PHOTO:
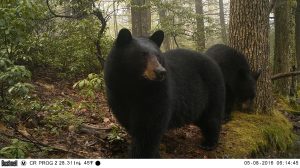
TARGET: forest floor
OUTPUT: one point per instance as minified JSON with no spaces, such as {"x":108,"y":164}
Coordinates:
{"x":87,"y":129}
{"x":179,"y":143}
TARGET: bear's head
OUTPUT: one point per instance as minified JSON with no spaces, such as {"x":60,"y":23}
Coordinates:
{"x":141,"y":57}
{"x":247,"y":89}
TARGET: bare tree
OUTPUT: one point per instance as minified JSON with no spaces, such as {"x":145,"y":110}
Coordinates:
{"x":200,"y":32}
{"x":297,"y":32}
{"x":283,"y":43}
{"x":163,"y":22}
{"x":140,"y":17}
{"x":249,"y":33}
{"x":115,"y":18}
{"x":222,"y":22}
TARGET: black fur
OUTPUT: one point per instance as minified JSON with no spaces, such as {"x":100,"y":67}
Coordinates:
{"x":239,"y":80}
{"x":193,"y":91}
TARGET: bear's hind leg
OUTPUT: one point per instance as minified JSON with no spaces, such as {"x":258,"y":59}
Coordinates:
{"x":230,"y":99}
{"x":210,"y":128}
{"x":228,"y":109}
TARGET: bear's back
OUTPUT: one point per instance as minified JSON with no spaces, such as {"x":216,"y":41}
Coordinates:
{"x":226,"y":55}
{"x":193,"y":77}
{"x":230,"y":60}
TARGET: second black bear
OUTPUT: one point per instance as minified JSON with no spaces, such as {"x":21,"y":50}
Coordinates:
{"x":240,"y":82}
{"x":150,"y":92}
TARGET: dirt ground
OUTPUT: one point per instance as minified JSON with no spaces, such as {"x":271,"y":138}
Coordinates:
{"x":93,"y":141}
{"x":178,"y":143}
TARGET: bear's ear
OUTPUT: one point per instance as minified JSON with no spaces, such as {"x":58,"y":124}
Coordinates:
{"x":124,"y":37}
{"x":256,"y":74}
{"x":157,"y":37}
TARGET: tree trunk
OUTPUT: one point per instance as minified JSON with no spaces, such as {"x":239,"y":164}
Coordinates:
{"x":297,"y":36}
{"x":249,"y":33}
{"x":271,"y":5}
{"x":292,"y":42}
{"x":200,"y":32}
{"x":140,"y":17}
{"x":283,"y":40}
{"x":163,"y":23}
{"x":222,"y":22}
{"x":115,"y":18}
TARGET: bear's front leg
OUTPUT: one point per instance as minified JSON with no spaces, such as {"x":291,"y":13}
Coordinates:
{"x":147,"y":128}
{"x":145,"y":146}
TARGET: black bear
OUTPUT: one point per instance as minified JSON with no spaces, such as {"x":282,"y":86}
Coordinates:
{"x":150,"y":92}
{"x":240,"y":82}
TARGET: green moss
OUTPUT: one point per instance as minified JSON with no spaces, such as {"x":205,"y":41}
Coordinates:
{"x":252,"y":135}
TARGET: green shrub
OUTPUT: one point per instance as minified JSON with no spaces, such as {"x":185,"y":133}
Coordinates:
{"x":13,"y":80}
{"x":89,"y":86}
{"x":68,"y":48}
{"x":14,"y":90}
{"x":60,"y":116}
{"x":17,"y":149}
{"x":116,"y":134}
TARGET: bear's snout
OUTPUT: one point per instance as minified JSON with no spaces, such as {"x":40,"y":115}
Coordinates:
{"x":160,"y":73}
{"x":154,"y":70}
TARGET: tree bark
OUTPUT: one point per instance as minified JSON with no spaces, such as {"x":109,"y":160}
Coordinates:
{"x":282,"y":48}
{"x":249,"y":33}
{"x":200,"y":32}
{"x":222,"y":22}
{"x":140,"y":17}
{"x":163,"y":23}
{"x":297,"y":34}
{"x":115,"y":18}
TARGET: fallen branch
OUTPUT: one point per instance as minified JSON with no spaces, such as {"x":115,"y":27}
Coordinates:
{"x":23,"y":135}
{"x":294,"y":112}
{"x":27,"y":139}
{"x":33,"y":141}
{"x":93,"y":129}
{"x":284,"y":75}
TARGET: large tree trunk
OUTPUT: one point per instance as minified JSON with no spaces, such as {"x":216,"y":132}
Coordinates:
{"x":249,"y":33}
{"x":164,"y":23}
{"x":222,"y":22}
{"x":140,"y":17}
{"x":297,"y":36}
{"x":200,"y":33}
{"x":283,"y":43}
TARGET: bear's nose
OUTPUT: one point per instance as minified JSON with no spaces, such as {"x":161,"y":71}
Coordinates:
{"x":160,"y":73}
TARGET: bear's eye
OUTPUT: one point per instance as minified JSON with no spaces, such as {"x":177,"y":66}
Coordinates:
{"x":159,"y":58}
